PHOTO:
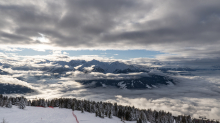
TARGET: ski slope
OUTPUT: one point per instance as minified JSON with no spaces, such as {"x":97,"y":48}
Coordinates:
{"x":51,"y":115}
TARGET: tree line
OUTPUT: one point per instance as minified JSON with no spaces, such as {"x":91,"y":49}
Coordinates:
{"x":100,"y":109}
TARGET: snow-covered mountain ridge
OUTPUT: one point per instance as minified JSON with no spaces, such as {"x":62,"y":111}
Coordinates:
{"x":97,"y":66}
{"x":94,"y":73}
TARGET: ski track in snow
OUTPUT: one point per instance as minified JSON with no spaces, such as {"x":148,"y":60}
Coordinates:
{"x":51,"y":115}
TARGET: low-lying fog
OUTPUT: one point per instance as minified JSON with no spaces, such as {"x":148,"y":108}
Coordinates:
{"x":197,"y":95}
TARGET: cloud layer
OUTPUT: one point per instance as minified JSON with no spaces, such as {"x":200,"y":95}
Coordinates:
{"x":197,"y":94}
{"x":111,"y":24}
{"x":184,"y":30}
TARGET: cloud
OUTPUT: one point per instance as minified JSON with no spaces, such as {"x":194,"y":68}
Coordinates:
{"x":113,"y":24}
{"x":10,"y":80}
{"x":195,"y":95}
{"x":183,"y":30}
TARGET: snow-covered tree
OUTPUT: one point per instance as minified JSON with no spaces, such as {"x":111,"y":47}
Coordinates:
{"x":45,"y":104}
{"x":82,"y":110}
{"x":56,"y":104}
{"x":68,"y":105}
{"x":21,"y":104}
{"x":28,"y":103}
{"x":17,"y":101}
{"x":143,"y":117}
{"x":1,"y":102}
{"x":9,"y":104}
{"x":110,"y":114}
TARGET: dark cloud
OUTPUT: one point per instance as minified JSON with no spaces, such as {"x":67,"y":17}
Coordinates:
{"x":9,"y":38}
{"x":166,"y":26}
{"x":68,"y":23}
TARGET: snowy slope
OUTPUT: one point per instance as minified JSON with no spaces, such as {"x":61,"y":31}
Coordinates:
{"x":48,"y":115}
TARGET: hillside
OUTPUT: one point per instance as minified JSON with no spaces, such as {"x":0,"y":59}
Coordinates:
{"x":51,"y":115}
{"x":103,"y":110}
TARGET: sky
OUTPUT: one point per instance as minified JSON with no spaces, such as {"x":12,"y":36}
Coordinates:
{"x":110,"y":54}
{"x":118,"y":29}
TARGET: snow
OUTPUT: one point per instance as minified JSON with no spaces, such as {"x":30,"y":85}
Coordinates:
{"x":77,"y":67}
{"x":140,"y":82}
{"x":170,"y":83}
{"x":148,"y":86}
{"x":51,"y":115}
{"x":154,"y":86}
{"x":121,"y":85}
{"x":104,"y":85}
{"x":89,"y":68}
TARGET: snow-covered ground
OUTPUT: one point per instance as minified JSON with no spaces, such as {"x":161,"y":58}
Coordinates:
{"x":51,"y":115}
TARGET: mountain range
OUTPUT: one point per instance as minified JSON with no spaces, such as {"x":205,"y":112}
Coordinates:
{"x":96,"y":73}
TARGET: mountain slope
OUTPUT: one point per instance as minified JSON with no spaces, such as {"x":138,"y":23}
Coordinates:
{"x":153,"y":81}
{"x":12,"y":88}
{"x":96,"y":73}
{"x":48,"y":115}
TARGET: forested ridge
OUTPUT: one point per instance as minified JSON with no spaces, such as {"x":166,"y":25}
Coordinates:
{"x":102,"y":109}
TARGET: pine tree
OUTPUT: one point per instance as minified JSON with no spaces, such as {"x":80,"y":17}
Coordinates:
{"x":29,"y":103}
{"x":21,"y":104}
{"x":94,"y":108}
{"x":82,"y":110}
{"x":96,"y":113}
{"x":102,"y":114}
{"x":69,"y":106}
{"x":63,"y":105}
{"x":17,"y":101}
{"x":73,"y":107}
{"x":5,"y":102}
{"x":60,"y":105}
{"x":143,"y":117}
{"x":45,"y":104}
{"x":52,"y":103}
{"x":42,"y":102}
{"x":57,"y":103}
{"x":110,"y":114}
{"x":9,"y":104}
{"x":1,"y":102}
{"x":13,"y":101}
{"x":90,"y":108}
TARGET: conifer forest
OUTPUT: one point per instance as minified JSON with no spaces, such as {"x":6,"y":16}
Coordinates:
{"x":102,"y":110}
